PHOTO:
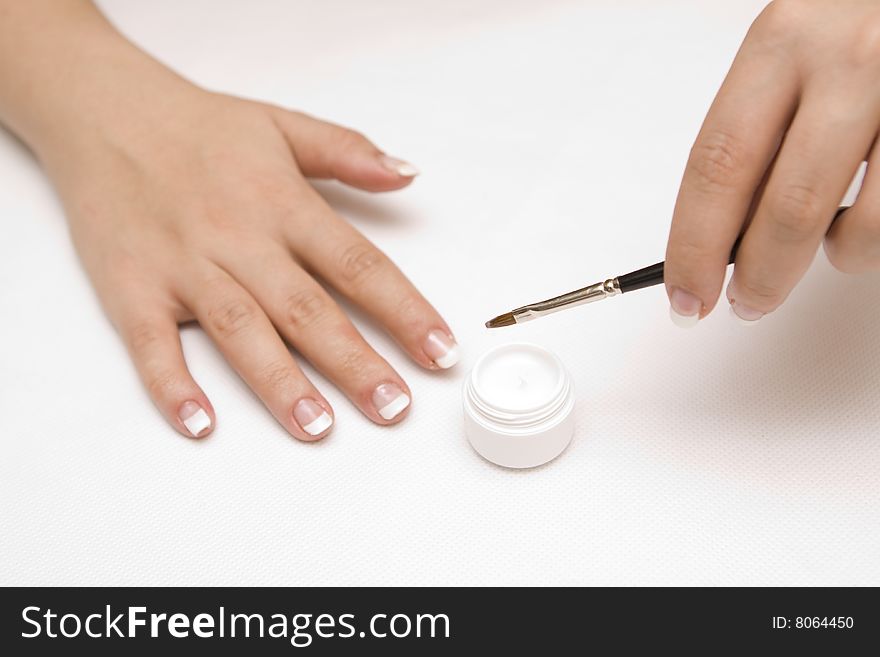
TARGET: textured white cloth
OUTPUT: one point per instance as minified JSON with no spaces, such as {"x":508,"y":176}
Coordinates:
{"x":551,"y":137}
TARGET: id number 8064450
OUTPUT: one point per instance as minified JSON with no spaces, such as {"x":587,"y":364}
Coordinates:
{"x":813,"y":622}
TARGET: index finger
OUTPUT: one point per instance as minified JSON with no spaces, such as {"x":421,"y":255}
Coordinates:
{"x":736,"y":144}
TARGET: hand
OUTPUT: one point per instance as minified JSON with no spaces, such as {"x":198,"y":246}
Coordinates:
{"x":796,"y":116}
{"x":186,"y":205}
{"x":204,"y":213}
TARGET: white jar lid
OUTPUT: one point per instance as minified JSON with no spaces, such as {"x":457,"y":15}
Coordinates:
{"x":518,"y":403}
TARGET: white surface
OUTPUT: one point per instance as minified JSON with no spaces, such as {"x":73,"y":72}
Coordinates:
{"x":720,"y":455}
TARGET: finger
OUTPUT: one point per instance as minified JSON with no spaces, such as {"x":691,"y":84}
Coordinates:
{"x":853,"y":243}
{"x":326,"y":150}
{"x":153,"y":340}
{"x":824,"y":147}
{"x":727,"y":163}
{"x":247,"y":339}
{"x":313,"y":323}
{"x":343,"y":257}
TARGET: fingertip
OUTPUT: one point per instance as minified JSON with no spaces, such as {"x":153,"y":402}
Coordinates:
{"x":685,"y":308}
{"x":391,"y":403}
{"x":739,"y":305}
{"x":377,"y":172}
{"x":404,"y":170}
{"x":314,"y":419}
{"x":195,"y":419}
{"x":441,"y":350}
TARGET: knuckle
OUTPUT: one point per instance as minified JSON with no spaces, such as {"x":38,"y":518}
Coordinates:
{"x":865,"y":45}
{"x":760,"y":295}
{"x":270,"y":185}
{"x":842,"y":257}
{"x":781,"y":17}
{"x":161,"y":384}
{"x":693,"y":258}
{"x":232,"y":316}
{"x":856,"y":250}
{"x":142,"y":337}
{"x":359,"y":261}
{"x":349,"y":140}
{"x":305,"y":308}
{"x":278,"y":375}
{"x":794,"y":213}
{"x":716,"y":160}
{"x":352,"y":364}
{"x":409,"y":311}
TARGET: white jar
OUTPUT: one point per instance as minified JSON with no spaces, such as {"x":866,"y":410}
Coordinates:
{"x":518,"y":406}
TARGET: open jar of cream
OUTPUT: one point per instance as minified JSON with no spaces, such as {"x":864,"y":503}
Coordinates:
{"x":518,"y":403}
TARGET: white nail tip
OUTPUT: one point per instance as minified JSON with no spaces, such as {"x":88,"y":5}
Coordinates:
{"x":395,"y":408}
{"x":400,"y":167}
{"x":197,"y":422}
{"x":683,"y":321}
{"x":448,"y":359}
{"x":406,"y":170}
{"x":740,"y":320}
{"x":319,"y":425}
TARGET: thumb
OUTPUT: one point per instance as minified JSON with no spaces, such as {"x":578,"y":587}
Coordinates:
{"x":326,"y":150}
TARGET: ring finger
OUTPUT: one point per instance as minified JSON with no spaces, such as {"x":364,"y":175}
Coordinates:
{"x":820,"y":154}
{"x":249,"y":342}
{"x":306,"y":315}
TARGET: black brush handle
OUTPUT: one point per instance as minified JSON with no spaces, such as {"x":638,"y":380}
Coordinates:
{"x":636,"y":280}
{"x":653,"y":275}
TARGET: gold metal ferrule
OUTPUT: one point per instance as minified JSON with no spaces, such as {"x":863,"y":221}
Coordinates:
{"x":589,"y":294}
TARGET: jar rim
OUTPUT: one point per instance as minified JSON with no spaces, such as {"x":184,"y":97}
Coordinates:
{"x":519,"y":417}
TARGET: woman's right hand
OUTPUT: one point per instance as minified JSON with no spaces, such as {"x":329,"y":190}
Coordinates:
{"x":797,"y":115}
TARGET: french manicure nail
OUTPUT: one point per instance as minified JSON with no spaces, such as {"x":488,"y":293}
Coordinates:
{"x":441,"y":348}
{"x":398,"y":166}
{"x":744,"y":314}
{"x":741,"y":312}
{"x":389,"y":400}
{"x":740,"y":320}
{"x":312,"y":417}
{"x":684,"y":308}
{"x":194,"y":418}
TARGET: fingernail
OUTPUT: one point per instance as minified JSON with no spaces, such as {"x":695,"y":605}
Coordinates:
{"x":312,"y":417}
{"x":740,"y":320}
{"x":389,"y":400}
{"x":745,"y":314}
{"x":741,"y":312}
{"x":684,"y":308}
{"x":194,"y":418}
{"x":400,"y":167}
{"x":441,"y":348}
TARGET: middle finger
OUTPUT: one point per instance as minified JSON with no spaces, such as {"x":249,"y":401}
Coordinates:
{"x":308,"y":318}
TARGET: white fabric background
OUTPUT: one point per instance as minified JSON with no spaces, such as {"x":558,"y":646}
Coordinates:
{"x":551,"y":136}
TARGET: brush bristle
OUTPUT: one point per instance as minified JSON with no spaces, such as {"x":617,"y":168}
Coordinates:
{"x":507,"y":319}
